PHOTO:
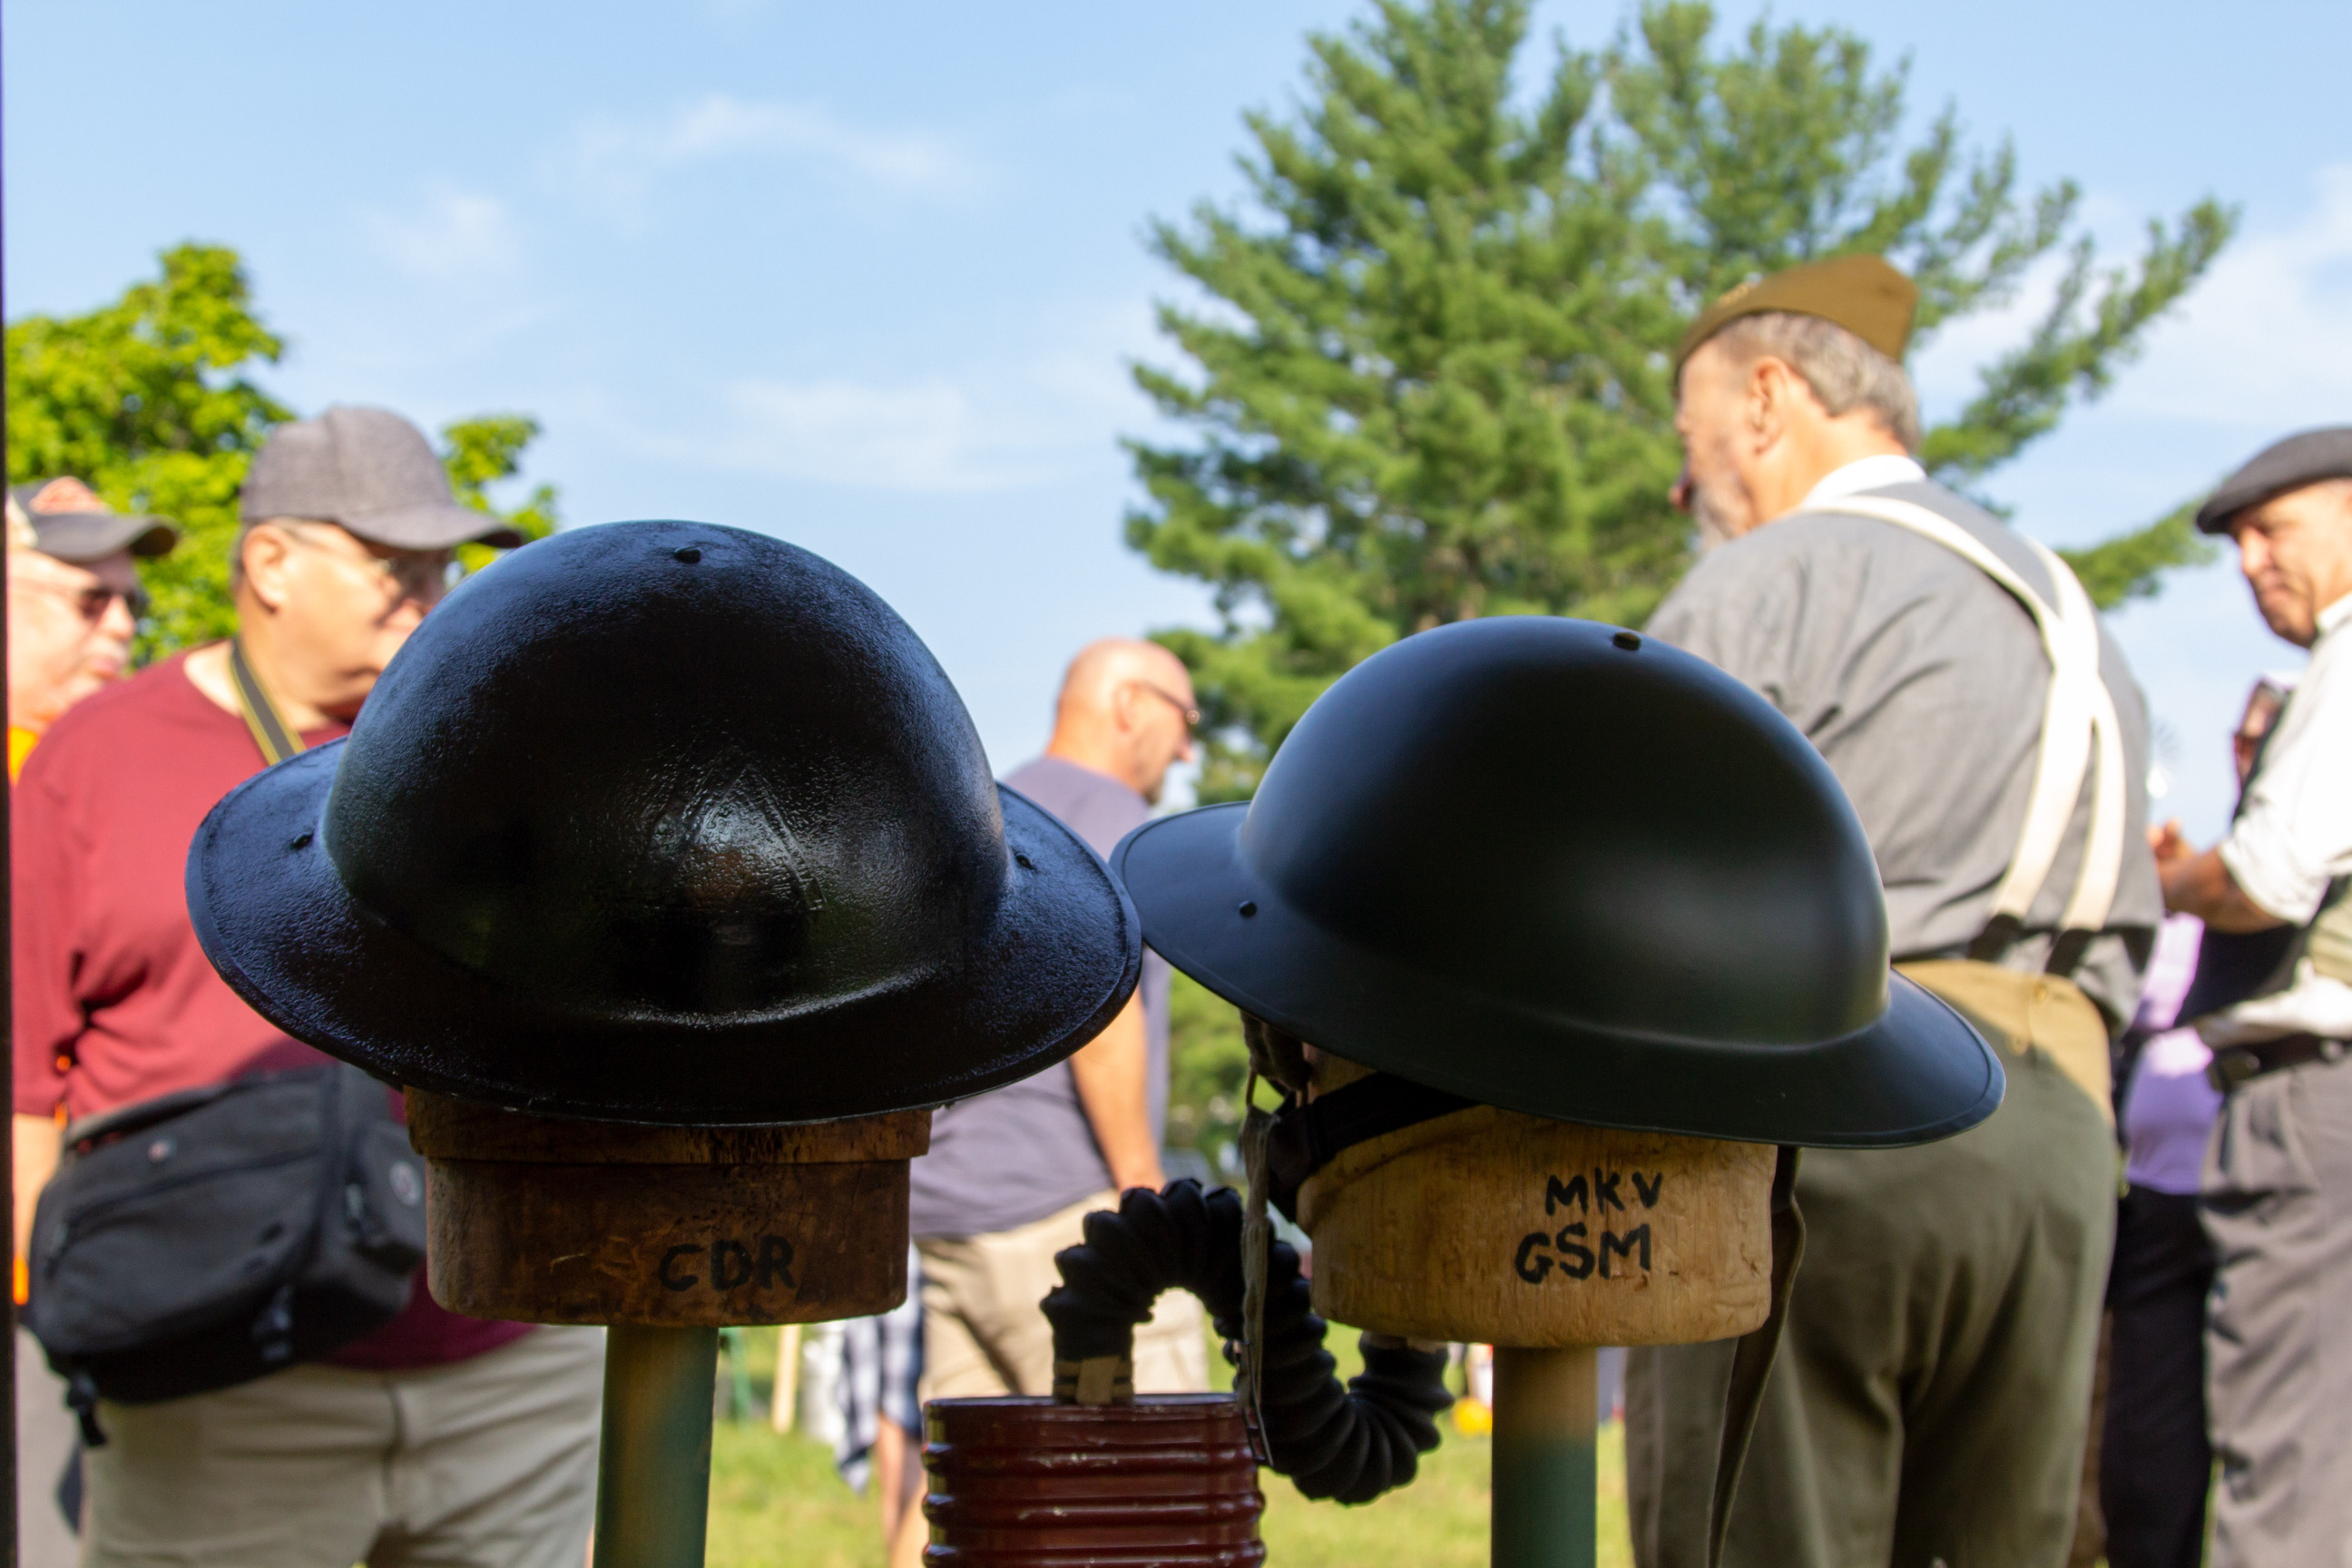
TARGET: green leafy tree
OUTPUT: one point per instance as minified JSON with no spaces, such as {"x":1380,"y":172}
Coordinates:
{"x":1432,"y":379}
{"x":152,"y":399}
{"x":484,"y":451}
{"x":1207,"y":1067}
{"x":2132,"y":566}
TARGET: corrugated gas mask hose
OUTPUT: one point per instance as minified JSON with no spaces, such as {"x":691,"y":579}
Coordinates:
{"x":1351,"y":1443}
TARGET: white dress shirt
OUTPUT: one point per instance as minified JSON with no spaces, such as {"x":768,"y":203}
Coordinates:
{"x":1872,"y":473}
{"x":2293,"y":836}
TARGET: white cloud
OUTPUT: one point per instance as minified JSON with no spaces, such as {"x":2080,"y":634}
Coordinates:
{"x":617,"y":163}
{"x":994,"y":427}
{"x":2262,"y":346}
{"x":451,"y":235}
{"x":936,"y":436}
{"x":927,"y":436}
{"x":2266,"y":341}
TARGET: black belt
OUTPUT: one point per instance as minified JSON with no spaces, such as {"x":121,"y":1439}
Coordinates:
{"x":2234,"y":1065}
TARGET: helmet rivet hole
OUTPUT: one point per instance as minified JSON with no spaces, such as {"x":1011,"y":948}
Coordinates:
{"x":1249,"y":908}
{"x":689,"y":554}
{"x":1024,"y":862}
{"x":1627,"y":641}
{"x":301,"y":840}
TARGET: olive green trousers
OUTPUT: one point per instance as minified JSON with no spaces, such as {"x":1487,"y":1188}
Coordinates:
{"x":1932,"y":1391}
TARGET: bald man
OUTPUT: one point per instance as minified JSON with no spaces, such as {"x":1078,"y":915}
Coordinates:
{"x":1012,"y":1172}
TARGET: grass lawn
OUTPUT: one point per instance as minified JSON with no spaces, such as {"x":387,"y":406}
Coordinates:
{"x":775,"y":1502}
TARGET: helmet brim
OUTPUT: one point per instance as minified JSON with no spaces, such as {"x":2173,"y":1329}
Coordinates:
{"x":1047,"y":973}
{"x":1916,"y":1074}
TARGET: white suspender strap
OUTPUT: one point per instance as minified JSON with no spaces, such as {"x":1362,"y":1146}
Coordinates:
{"x":2078,"y":718}
{"x":2103,"y":855}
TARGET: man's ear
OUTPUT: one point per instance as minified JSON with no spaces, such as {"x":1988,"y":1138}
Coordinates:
{"x":1761,"y":410}
{"x":1125,"y":698}
{"x":266,"y":556}
{"x":1776,"y":394}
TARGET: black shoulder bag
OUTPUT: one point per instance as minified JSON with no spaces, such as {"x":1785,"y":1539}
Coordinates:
{"x":207,"y":1238}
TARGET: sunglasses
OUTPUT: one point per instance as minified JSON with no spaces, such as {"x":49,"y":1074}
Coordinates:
{"x":91,"y":603}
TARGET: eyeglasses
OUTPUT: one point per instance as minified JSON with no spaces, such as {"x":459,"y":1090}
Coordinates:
{"x":424,"y":576}
{"x":1192,"y":714}
{"x":93,"y":602}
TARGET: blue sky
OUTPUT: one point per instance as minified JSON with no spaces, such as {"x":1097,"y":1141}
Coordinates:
{"x":868,"y":276}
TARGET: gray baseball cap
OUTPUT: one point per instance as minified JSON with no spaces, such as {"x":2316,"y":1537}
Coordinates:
{"x":2282,"y":465}
{"x":70,"y":522}
{"x":367,"y":470}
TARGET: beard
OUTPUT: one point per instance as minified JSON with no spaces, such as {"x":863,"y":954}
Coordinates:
{"x":1717,"y":525}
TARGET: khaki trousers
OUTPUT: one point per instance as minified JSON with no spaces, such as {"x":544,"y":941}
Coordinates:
{"x":2277,"y":1204}
{"x":486,"y":1463}
{"x":983,"y":1332}
{"x":1932,"y":1393}
{"x":44,"y":1443}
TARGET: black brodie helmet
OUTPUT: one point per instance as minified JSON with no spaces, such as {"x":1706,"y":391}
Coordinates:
{"x":1553,"y":866}
{"x":661,"y":822}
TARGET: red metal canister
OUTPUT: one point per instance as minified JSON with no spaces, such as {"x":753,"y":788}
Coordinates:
{"x":1029,"y":1483}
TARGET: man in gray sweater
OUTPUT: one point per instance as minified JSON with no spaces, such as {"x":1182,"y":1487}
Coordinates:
{"x":1932,"y":1391}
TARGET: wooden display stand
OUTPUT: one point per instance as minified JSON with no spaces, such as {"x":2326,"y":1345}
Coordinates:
{"x":666,"y":1235}
{"x":1544,"y":1239}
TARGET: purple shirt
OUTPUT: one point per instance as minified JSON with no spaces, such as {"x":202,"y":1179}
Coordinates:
{"x":1016,"y":1154}
{"x":2169,"y":1106}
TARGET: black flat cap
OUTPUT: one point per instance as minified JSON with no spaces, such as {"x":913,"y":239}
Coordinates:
{"x":2283,"y":466}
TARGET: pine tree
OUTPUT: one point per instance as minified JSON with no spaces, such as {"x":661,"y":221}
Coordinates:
{"x":1435,"y":378}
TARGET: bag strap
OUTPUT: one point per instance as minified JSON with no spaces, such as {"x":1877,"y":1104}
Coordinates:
{"x":2078,"y":719}
{"x":277,"y":739}
{"x":1307,"y":1135}
{"x":273,"y":1326}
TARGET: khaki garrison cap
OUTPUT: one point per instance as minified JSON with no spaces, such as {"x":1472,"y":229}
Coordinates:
{"x":1863,"y":294}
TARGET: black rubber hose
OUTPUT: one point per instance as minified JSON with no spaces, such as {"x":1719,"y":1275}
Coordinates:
{"x":1353,"y":1442}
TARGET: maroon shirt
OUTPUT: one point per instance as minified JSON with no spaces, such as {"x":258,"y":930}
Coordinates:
{"x":113,"y":998}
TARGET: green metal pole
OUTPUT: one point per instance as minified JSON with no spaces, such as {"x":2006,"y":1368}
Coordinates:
{"x":653,"y":1471}
{"x":1546,"y":1407}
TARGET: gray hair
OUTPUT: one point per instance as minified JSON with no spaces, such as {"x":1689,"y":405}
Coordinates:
{"x":245,"y":531}
{"x":1844,"y":372}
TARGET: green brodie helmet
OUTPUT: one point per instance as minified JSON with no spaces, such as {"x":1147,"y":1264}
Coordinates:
{"x":1557,"y":867}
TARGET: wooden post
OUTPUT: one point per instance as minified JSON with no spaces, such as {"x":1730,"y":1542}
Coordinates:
{"x":666,"y":1234}
{"x":1543,"y":1239}
{"x":546,"y":1221}
{"x":784,"y":1403}
{"x":1542,"y":1510}
{"x":652,"y":1464}
{"x":1503,"y":1229}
